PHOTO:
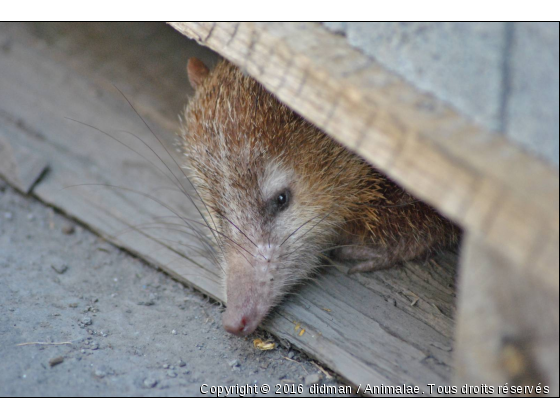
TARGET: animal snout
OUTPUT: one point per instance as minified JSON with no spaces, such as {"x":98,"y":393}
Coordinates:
{"x":240,"y":323}
{"x":249,"y":294}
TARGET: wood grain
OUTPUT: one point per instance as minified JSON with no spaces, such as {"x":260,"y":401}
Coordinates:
{"x":393,"y":327}
{"x":505,"y":335}
{"x":20,"y":166}
{"x":506,"y":200}
{"x":477,"y":178}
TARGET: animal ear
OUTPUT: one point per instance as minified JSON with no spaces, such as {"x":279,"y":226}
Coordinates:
{"x":197,"y":71}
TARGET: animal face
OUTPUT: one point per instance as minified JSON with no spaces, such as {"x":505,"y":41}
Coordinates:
{"x":276,"y":189}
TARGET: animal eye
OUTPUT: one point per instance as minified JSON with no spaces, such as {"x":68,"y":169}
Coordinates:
{"x":281,"y":201}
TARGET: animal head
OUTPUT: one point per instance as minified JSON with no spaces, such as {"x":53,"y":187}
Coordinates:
{"x":276,"y":189}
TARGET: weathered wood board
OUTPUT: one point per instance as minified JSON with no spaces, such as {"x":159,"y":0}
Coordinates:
{"x":20,"y":166}
{"x":505,"y":198}
{"x":505,"y":335}
{"x":475,"y":177}
{"x":392,"y":327}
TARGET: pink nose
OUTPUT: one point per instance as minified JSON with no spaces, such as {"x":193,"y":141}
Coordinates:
{"x":238,"y":324}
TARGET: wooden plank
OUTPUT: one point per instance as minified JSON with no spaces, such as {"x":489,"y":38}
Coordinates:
{"x":19,"y":166}
{"x":360,"y":326}
{"x":507,"y":329}
{"x":477,"y":178}
{"x":40,"y":91}
{"x":392,"y":327}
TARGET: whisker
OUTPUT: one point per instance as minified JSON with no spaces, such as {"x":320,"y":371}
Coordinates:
{"x":332,"y":248}
{"x":243,"y":233}
{"x":141,"y":227}
{"x":184,"y":219}
{"x":153,"y":225}
{"x":300,"y":226}
{"x":179,"y":185}
{"x":130,"y":148}
{"x":178,"y":166}
{"x":310,"y":229}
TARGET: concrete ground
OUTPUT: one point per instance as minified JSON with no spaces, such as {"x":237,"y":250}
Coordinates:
{"x":80,"y":317}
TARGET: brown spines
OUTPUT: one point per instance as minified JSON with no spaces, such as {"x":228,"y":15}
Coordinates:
{"x":235,"y":126}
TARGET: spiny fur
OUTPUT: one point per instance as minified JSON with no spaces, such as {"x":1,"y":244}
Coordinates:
{"x":235,"y":131}
{"x":234,"y":114}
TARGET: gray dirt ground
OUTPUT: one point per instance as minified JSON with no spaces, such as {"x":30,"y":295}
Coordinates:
{"x":127,"y":328}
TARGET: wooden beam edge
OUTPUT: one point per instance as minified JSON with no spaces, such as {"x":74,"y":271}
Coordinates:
{"x":479,"y":179}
